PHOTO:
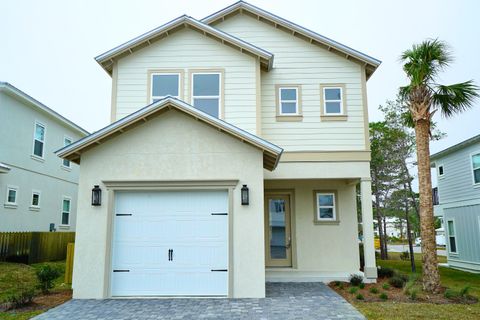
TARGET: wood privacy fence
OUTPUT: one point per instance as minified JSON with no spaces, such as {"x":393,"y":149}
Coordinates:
{"x":33,"y":247}
{"x":69,"y":263}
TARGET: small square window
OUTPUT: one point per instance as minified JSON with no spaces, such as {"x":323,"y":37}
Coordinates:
{"x":165,"y":84}
{"x":325,"y":206}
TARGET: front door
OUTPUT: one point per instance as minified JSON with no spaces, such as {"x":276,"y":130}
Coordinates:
{"x":277,"y":231}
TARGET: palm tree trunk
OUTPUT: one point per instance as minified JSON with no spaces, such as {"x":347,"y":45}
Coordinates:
{"x":431,"y":276}
{"x":409,"y":233}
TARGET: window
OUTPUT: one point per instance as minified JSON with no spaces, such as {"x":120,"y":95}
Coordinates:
{"x":35,"y":199}
{"x":164,"y":84}
{"x":66,"y":142}
{"x":39,"y":140}
{"x":12,"y":193}
{"x":452,"y":241}
{"x":476,"y":168}
{"x":440,"y":170}
{"x":66,"y":211}
{"x":206,"y":93}
{"x":332,"y":101}
{"x":288,"y":101}
{"x":325,"y":206}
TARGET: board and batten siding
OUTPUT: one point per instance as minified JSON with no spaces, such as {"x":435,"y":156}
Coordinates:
{"x":457,"y":182}
{"x":298,"y":62}
{"x":189,"y":50}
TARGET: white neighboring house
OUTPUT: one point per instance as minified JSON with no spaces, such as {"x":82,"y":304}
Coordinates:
{"x":37,"y":188}
{"x":236,"y":145}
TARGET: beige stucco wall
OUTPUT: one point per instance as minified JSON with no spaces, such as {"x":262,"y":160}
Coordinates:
{"x":170,"y":147}
{"x":322,"y":247}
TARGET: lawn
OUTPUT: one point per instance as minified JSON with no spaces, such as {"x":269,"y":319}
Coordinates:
{"x":450,"y":278}
{"x":15,"y":277}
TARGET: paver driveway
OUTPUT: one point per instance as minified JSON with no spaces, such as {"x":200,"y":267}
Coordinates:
{"x":284,"y":301}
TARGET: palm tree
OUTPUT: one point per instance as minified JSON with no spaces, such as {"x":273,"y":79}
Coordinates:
{"x":424,"y":96}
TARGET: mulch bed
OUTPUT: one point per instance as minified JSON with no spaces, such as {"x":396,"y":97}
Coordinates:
{"x":45,"y":301}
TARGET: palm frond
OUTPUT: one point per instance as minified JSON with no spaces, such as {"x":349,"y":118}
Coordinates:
{"x":455,"y":98}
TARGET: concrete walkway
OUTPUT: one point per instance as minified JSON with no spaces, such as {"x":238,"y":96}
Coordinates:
{"x":306,"y":301}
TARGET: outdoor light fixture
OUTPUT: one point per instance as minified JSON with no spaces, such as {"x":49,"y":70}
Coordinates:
{"x":96,"y":196}
{"x":244,"y":195}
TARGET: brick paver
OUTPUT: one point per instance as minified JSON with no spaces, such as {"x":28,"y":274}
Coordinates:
{"x":304,"y":301}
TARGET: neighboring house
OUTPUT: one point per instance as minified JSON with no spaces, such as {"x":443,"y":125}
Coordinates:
{"x":457,"y":200}
{"x":235,"y":149}
{"x":37,"y":188}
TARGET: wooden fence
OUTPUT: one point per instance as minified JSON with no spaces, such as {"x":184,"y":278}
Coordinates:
{"x":33,"y":247}
{"x":69,"y":263}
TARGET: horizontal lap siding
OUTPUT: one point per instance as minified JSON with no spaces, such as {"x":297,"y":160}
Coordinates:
{"x":298,"y":62}
{"x":188,"y":50}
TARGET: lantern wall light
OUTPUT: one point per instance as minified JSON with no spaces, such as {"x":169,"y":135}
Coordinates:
{"x":245,"y":197}
{"x":96,"y":196}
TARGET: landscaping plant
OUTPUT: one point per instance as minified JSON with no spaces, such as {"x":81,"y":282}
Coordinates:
{"x":385,"y":272}
{"x":46,"y":275}
{"x":356,"y":279}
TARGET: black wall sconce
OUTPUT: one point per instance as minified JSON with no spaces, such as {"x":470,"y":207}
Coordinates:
{"x":245,"y":199}
{"x":96,"y":196}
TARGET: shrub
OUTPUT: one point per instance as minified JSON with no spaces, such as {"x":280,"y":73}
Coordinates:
{"x":21,"y":299}
{"x":340,"y":286}
{"x":46,"y":275}
{"x":356,"y":280}
{"x":383,"y":296}
{"x":413,"y":294}
{"x":397,"y":281}
{"x":373,"y":290}
{"x":385,"y":272}
{"x":361,"y":285}
{"x":464,"y":292}
{"x":353,"y":290}
{"x":386,"y":286}
{"x":360,"y":297}
{"x":337,"y":283}
{"x":405,"y":255}
{"x":450,"y":294}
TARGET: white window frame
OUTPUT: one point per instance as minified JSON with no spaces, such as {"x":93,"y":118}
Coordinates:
{"x":297,"y":107}
{"x":8,"y":203}
{"x":334,"y":207}
{"x":152,"y":97}
{"x":438,"y":171}
{"x":341,"y":113}
{"x":35,"y":139}
{"x":454,"y":236}
{"x":475,"y":184}
{"x":39,"y":193}
{"x":69,"y":166}
{"x":192,"y":97}
{"x":69,"y":212}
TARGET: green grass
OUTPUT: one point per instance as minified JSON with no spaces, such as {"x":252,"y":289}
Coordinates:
{"x":450,"y":278}
{"x":11,"y":315}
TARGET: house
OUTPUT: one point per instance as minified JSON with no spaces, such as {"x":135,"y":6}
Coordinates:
{"x":38,"y":190}
{"x":457,"y":201}
{"x":236,"y":145}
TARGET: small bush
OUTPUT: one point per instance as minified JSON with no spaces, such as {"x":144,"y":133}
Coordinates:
{"x":405,"y":255}
{"x":361,"y":285}
{"x":373,"y":290}
{"x":337,"y":283}
{"x":353,"y":290}
{"x":356,"y":280}
{"x":397,"y":281}
{"x":360,"y":297}
{"x":383,"y":296}
{"x":46,"y":275}
{"x":385,"y":272}
{"x":386,"y":286}
{"x":450,"y":294}
{"x":21,"y":299}
{"x":464,"y":292}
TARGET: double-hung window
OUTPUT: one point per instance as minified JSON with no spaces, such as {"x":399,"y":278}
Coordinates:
{"x":476,"y":168}
{"x":333,"y":104}
{"x":325,"y":206}
{"x":452,"y":240}
{"x":39,"y":140}
{"x":66,"y":142}
{"x":66,"y":211}
{"x":288,"y":98}
{"x":441,"y":170}
{"x":206,"y":89}
{"x":35,"y":200}
{"x":164,"y":84}
{"x":11,"y":198}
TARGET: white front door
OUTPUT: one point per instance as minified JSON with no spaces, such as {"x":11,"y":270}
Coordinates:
{"x":170,"y":243}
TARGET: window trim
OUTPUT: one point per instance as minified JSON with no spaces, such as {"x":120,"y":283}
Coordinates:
{"x":69,"y":212}
{"x":297,"y":116}
{"x":153,"y":72}
{"x":454,"y":235}
{"x":221,"y":97}
{"x":317,"y":220}
{"x":475,"y":153}
{"x":32,"y":206}
{"x":34,"y":139}
{"x":7,"y":203}
{"x":342,"y":116}
{"x":441,"y":176}
{"x":69,"y":167}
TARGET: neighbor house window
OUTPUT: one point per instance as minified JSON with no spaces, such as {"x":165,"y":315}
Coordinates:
{"x":35,"y":199}
{"x":66,"y":211}
{"x":441,"y":170}
{"x":476,"y":168}
{"x":288,"y":98}
{"x":452,"y":240}
{"x":39,"y":140}
{"x":206,"y":92}
{"x":325,"y":206}
{"x":12,"y":193}
{"x":164,"y":84}
{"x":333,"y":104}
{"x":66,"y":142}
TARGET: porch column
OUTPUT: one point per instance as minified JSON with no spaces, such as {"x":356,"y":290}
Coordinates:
{"x":370,"y":269}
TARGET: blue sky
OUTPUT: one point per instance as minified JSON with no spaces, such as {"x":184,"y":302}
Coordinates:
{"x":48,"y":46}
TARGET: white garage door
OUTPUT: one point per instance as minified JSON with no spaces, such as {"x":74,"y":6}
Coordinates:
{"x":170,"y":243}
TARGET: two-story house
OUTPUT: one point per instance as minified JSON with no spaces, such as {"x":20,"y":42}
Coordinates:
{"x":235,"y":149}
{"x":457,"y":201}
{"x":38,"y":190}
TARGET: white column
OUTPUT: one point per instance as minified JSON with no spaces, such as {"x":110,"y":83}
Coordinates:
{"x":370,"y":269}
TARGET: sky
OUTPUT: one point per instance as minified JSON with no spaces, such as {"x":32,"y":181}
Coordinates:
{"x":47,"y":47}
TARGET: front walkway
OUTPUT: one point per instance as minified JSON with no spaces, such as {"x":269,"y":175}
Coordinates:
{"x":304,"y":301}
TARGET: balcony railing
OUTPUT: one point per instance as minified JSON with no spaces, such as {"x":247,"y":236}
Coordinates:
{"x":435,"y":196}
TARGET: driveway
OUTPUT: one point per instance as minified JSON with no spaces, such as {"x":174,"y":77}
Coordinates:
{"x":305,"y":301}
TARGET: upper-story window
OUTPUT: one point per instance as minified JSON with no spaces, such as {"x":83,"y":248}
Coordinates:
{"x":165,"y":84}
{"x":288,"y":101}
{"x":66,"y":142}
{"x":39,"y":140}
{"x":441,"y":170}
{"x":476,"y":168}
{"x":66,"y":211}
{"x":11,"y":198}
{"x":206,"y":92}
{"x":333,"y":101}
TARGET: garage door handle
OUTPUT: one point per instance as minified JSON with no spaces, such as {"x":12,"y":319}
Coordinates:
{"x":219,"y":270}
{"x":121,"y":270}
{"x":170,"y":254}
